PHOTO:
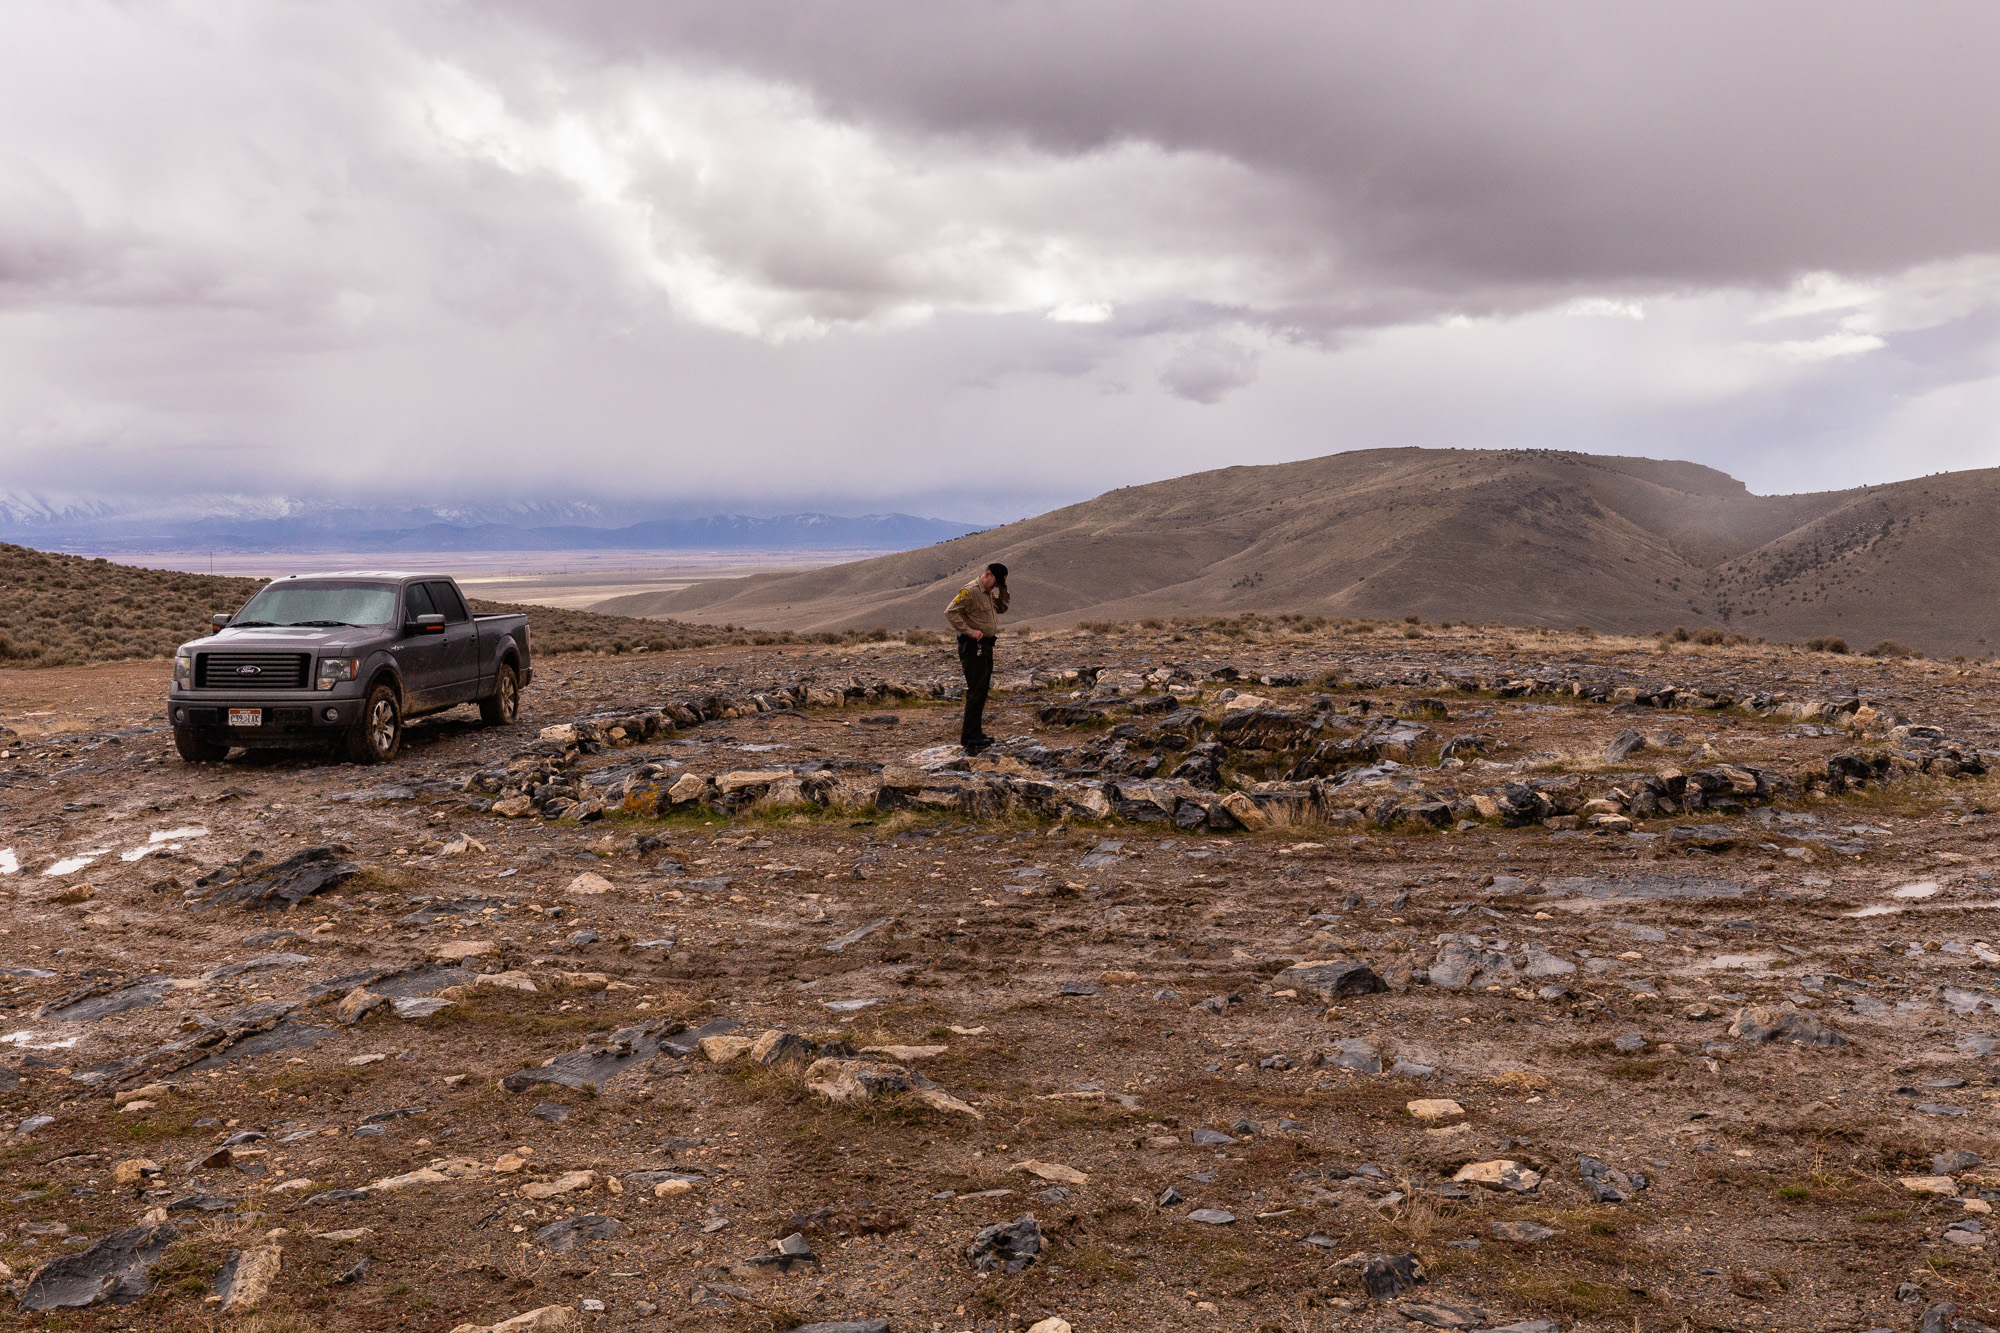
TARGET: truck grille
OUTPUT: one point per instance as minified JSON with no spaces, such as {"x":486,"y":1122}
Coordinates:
{"x":251,"y":671}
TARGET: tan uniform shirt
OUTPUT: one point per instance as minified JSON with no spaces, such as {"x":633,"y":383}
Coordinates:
{"x":974,"y":608}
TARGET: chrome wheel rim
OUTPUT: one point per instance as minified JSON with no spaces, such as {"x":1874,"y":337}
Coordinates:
{"x":510,"y":697}
{"x":382,"y":725}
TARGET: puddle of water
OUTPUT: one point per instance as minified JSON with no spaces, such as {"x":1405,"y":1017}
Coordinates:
{"x":69,"y":865}
{"x":39,"y":1041}
{"x":1895,"y":909}
{"x":9,"y":863}
{"x":1753,"y":962}
{"x":174,"y":836}
{"x":1921,"y":889}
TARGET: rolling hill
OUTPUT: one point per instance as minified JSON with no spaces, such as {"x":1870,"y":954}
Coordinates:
{"x":1515,"y":536}
{"x":66,"y":610}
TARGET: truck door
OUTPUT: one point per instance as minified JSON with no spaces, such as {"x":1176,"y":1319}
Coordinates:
{"x":461,"y":642}
{"x":426,"y":681}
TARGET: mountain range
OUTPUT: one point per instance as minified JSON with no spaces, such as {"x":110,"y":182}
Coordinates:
{"x":267,"y":524}
{"x":1513,"y":536}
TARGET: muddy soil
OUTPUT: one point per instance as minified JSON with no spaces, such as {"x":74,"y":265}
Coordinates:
{"x":416,"y":1064}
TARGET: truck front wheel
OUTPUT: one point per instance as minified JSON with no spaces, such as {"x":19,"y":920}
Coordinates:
{"x":380,"y":733}
{"x":197,"y":748}
{"x":503,"y":705}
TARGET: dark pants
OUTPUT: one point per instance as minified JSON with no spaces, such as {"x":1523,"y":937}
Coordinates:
{"x":976,"y":657}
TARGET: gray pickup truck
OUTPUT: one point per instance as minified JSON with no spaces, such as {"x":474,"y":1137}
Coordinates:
{"x":346,"y":659}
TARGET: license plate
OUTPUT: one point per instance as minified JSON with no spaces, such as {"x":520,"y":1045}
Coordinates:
{"x":246,"y":717}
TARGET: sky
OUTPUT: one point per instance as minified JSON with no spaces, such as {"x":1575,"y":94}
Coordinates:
{"x":977,"y":258}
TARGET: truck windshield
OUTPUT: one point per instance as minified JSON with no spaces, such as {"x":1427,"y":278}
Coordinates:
{"x":320,"y":604}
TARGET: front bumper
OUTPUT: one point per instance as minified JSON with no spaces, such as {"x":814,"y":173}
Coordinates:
{"x":283,"y":712}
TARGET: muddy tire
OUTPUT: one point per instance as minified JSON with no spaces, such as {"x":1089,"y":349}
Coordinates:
{"x":197,"y":748}
{"x":379,"y":735}
{"x":503,"y":705}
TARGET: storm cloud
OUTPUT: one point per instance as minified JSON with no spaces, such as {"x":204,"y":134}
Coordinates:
{"x":977,"y":258}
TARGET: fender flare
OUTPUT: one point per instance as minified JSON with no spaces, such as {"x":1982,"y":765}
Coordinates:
{"x":385,"y":672}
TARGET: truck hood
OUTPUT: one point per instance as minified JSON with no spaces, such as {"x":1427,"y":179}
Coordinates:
{"x":280,"y":637}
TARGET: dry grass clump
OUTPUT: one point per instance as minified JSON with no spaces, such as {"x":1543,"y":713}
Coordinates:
{"x":60,"y":610}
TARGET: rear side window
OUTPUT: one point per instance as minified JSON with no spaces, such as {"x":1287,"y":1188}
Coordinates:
{"x":448,"y":601}
{"x":417,"y":602}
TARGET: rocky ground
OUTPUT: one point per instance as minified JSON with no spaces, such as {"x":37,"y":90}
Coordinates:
{"x":1279,"y":982}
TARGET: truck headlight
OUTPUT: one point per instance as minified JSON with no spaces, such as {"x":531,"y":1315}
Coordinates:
{"x":183,"y":670}
{"x":333,"y":670}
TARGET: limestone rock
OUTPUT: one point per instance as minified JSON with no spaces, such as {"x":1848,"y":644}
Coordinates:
{"x":1245,"y":812}
{"x":566,"y":1183}
{"x":547,"y":1319}
{"x":1067,"y":1175}
{"x":358,"y":1003}
{"x":1762,"y":1023}
{"x":1499,"y":1175}
{"x":134,"y":1170}
{"x":455,"y":951}
{"x":1434,"y":1108}
{"x":749,"y":781}
{"x":721,"y":1050}
{"x":856,"y":1080}
{"x":905,"y":1054}
{"x":246,"y":1278}
{"x":589,"y":883}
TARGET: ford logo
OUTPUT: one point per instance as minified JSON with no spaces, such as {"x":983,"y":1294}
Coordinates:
{"x":249,"y":671}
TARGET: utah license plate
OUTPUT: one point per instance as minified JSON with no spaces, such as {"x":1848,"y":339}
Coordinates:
{"x":246,"y":717}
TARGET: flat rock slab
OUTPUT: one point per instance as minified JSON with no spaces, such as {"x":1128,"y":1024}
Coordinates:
{"x":114,"y":1270}
{"x":91,"y":1008}
{"x":283,"y":1037}
{"x":261,"y":963}
{"x":396,"y":983}
{"x":1648,"y":886}
{"x":565,"y":1235}
{"x":594,"y":1066}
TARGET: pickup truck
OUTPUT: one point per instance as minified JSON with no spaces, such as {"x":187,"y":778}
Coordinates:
{"x":346,"y":659}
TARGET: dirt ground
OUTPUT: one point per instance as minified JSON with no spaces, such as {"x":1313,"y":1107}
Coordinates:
{"x":1121,"y":1006}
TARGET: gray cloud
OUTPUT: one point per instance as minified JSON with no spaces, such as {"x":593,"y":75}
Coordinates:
{"x":1208,"y":370}
{"x":1452,"y":144}
{"x":770,"y":256}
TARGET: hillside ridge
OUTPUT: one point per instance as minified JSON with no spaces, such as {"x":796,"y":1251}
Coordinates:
{"x":1515,"y":536}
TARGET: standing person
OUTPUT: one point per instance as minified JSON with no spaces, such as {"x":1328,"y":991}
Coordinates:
{"x":975,"y":613}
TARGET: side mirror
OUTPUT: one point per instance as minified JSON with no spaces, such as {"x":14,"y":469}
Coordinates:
{"x":220,"y":620}
{"x":431,"y":624}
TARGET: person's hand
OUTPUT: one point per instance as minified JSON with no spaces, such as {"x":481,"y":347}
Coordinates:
{"x":977,"y":635}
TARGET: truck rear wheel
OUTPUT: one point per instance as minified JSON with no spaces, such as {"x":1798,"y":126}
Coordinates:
{"x":197,"y":748}
{"x":379,"y":734}
{"x":503,"y":705}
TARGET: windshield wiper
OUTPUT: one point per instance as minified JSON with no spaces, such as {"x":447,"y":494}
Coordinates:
{"x":253,"y":624}
{"x":298,"y":624}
